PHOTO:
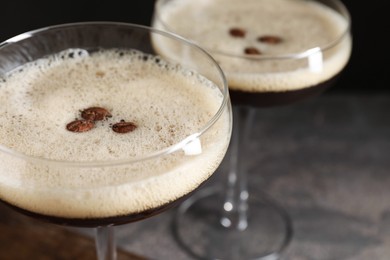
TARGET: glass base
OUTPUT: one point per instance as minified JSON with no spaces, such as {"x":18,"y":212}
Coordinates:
{"x":197,"y":228}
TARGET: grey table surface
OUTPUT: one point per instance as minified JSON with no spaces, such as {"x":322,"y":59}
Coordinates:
{"x":326,"y":161}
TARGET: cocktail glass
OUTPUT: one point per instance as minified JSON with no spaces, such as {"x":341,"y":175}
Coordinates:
{"x":96,"y":188}
{"x":273,"y":52}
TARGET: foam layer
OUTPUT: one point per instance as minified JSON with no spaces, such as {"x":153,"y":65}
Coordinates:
{"x":166,"y":103}
{"x":302,"y":25}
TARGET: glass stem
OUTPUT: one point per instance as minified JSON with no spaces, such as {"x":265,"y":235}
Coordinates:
{"x":235,"y":207}
{"x":105,"y":243}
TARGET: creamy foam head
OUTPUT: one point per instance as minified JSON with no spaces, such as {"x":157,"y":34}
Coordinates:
{"x":164,"y":101}
{"x":302,"y":25}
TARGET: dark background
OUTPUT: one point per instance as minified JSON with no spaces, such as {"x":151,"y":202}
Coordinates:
{"x":365,"y":72}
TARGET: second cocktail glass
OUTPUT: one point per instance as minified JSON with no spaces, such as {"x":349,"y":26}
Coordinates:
{"x":274,"y":52}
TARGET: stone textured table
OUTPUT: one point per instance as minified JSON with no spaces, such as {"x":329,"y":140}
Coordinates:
{"x":326,"y":161}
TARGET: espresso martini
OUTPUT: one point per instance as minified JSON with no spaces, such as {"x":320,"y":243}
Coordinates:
{"x":75,"y":124}
{"x":272,"y":51}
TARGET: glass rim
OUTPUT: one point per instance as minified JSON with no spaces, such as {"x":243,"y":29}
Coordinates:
{"x":298,"y":55}
{"x":117,"y":162}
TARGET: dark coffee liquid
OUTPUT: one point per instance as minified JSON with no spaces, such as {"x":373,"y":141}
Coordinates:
{"x":100,"y":222}
{"x":269,"y":99}
{"x":94,"y":222}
